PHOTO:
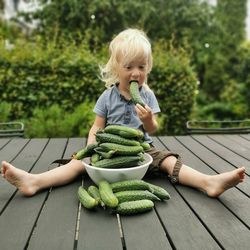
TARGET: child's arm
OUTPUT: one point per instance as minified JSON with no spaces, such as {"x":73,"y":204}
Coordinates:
{"x":99,"y":123}
{"x":147,"y":117}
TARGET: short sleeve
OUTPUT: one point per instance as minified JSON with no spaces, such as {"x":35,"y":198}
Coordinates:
{"x":101,"y":105}
{"x":152,"y":102}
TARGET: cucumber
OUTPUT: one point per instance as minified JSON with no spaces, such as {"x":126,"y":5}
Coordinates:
{"x":103,"y":154}
{"x":129,"y":185}
{"x":140,"y":185}
{"x":134,"y":207}
{"x":85,"y":152}
{"x":119,"y":162}
{"x":121,"y":149}
{"x":135,"y":93}
{"x":107,"y":137}
{"x":124,"y":131}
{"x":107,"y":194}
{"x":94,"y":158}
{"x":133,"y":195}
{"x":94,"y":192}
{"x":159,"y":191}
{"x":86,"y":200}
{"x":145,"y":145}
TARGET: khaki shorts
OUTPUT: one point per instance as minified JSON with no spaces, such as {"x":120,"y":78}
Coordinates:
{"x":158,"y":156}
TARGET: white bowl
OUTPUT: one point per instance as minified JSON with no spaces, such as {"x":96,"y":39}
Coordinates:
{"x":117,"y":174}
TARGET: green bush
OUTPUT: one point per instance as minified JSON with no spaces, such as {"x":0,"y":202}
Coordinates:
{"x":242,"y":69}
{"x":5,"y":110}
{"x":232,"y":104}
{"x":54,"y":122}
{"x":66,"y":74}
{"x":174,"y":83}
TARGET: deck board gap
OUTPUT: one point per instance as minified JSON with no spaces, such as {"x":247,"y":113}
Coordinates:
{"x":5,"y":144}
{"x":14,"y":193}
{"x":77,"y":229}
{"x":20,"y":150}
{"x":228,"y":148}
{"x":8,"y":202}
{"x":36,"y":220}
{"x":225,"y":159}
{"x":244,"y":137}
{"x":198,"y":156}
{"x":165,"y":230}
{"x":231,"y":211}
{"x":39,"y":156}
{"x":47,"y":194}
{"x":211,"y":166}
{"x":199,"y":218}
{"x":77,"y":226}
{"x":191,"y":152}
{"x":119,"y":221}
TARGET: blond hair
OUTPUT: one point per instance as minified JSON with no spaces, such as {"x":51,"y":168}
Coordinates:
{"x":130,"y":44}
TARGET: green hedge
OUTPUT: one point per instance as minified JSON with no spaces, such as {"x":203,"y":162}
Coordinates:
{"x":175,"y":85}
{"x":38,"y":75}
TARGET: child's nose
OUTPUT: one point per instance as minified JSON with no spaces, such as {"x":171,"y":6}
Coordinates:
{"x":135,"y":73}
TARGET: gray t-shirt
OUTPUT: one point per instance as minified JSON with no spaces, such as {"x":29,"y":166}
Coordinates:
{"x":117,"y":110}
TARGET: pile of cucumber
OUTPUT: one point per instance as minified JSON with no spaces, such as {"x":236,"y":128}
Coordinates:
{"x":124,"y":197}
{"x":116,"y":147}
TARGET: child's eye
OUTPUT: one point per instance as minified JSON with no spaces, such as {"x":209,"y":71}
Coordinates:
{"x":142,"y":67}
{"x":127,"y":67}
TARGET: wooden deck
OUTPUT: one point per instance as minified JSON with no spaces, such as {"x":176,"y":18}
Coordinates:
{"x":54,"y":220}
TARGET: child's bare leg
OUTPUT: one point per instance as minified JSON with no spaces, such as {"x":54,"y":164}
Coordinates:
{"x":29,"y":184}
{"x":213,"y":185}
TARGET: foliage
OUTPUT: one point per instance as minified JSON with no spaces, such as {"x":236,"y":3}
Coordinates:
{"x":54,"y":122}
{"x":71,"y":41}
{"x":1,"y":5}
{"x":68,"y":76}
{"x":174,"y":83}
{"x":65,"y":76}
{"x":232,"y":104}
{"x":229,"y":20}
{"x":5,"y":110}
{"x":241,"y":71}
{"x":232,"y":15}
{"x":212,"y":33}
{"x":99,"y":20}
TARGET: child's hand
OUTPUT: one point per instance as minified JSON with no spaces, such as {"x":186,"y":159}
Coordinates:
{"x":144,"y":113}
{"x":147,"y":117}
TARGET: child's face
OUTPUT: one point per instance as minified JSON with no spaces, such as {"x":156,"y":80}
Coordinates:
{"x":134,"y":70}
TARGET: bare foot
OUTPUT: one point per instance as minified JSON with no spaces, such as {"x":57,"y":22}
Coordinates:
{"x":217,"y":184}
{"x":22,"y":180}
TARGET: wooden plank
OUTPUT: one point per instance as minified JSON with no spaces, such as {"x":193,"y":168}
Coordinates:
{"x":3,"y":142}
{"x":233,"y":199}
{"x":227,"y":229}
{"x":228,"y":143}
{"x":239,"y":140}
{"x":144,"y":231}
{"x":98,"y":228}
{"x":218,"y":164}
{"x":62,"y":203}
{"x":223,"y":152}
{"x":26,"y":160}
{"x":12,"y":149}
{"x":19,"y":218}
{"x":246,"y":136}
{"x":183,"y":227}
